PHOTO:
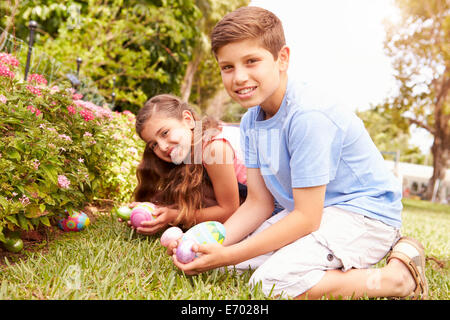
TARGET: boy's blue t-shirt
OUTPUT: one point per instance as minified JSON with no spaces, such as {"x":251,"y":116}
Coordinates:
{"x":310,"y":143}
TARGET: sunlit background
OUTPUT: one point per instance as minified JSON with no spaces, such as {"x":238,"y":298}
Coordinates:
{"x":337,"y":47}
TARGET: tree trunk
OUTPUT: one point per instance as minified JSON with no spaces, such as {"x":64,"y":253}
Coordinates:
{"x":188,"y":79}
{"x":441,"y":143}
{"x":216,"y":106}
{"x":440,"y":165}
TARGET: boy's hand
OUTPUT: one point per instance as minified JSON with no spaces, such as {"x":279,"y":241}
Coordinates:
{"x":163,"y":216}
{"x":213,"y":255}
{"x":172,"y":247}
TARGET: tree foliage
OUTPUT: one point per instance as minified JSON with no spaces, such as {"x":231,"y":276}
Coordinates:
{"x":144,"y":44}
{"x":389,"y":138}
{"x":149,"y":46}
{"x":419,"y":48}
{"x":202,"y":80}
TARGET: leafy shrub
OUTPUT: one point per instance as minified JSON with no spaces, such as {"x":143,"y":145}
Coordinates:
{"x":58,"y":152}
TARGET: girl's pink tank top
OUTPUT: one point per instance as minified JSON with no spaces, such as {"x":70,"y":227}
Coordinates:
{"x":231,"y":135}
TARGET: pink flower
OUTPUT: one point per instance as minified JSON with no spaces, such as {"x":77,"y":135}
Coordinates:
{"x":77,"y":96}
{"x":37,"y":79}
{"x":63,"y":182}
{"x":87,"y":134}
{"x":5,"y":72}
{"x":3,"y":99}
{"x":71,"y":109}
{"x":65,"y":137}
{"x":132,"y":150}
{"x":36,"y":164}
{"x":24,"y":200}
{"x":34,"y":90}
{"x":8,"y":59}
{"x":131,"y":116}
{"x":54,"y":89}
{"x":34,"y":110}
{"x":95,"y":110}
{"x":116,"y":136}
{"x":87,"y":115}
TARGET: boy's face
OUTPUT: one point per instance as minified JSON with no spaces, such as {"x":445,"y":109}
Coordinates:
{"x":251,"y":75}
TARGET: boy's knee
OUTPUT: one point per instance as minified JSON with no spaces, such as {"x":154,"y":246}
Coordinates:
{"x":265,"y":281}
{"x":280,"y":282}
{"x":259,"y":281}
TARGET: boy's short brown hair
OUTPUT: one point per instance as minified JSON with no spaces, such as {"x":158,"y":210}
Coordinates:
{"x":249,"y":23}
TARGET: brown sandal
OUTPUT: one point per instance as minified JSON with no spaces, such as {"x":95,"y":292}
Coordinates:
{"x":412,"y":254}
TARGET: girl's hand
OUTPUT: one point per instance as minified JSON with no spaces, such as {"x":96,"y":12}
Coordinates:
{"x":213,"y":255}
{"x":131,"y":206}
{"x":164,"y":216}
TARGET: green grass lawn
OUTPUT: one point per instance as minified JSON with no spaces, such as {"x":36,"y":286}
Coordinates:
{"x":107,"y":261}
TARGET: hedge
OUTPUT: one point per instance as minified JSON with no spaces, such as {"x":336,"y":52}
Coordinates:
{"x":58,"y":152}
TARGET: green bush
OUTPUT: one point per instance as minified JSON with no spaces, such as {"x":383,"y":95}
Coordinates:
{"x":58,"y":152}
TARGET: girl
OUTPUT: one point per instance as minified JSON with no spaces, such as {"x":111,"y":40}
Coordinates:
{"x":191,"y":169}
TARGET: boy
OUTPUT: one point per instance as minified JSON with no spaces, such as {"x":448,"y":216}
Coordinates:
{"x":343,"y":208}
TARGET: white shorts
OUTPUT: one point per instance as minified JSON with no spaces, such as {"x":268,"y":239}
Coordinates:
{"x":343,"y":241}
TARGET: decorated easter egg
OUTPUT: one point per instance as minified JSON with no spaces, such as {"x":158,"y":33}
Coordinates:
{"x":184,"y":251}
{"x":202,"y":233}
{"x":76,"y":221}
{"x":124,"y":213}
{"x":171,"y":234}
{"x":206,"y":232}
{"x":13,"y":244}
{"x":142,"y":212}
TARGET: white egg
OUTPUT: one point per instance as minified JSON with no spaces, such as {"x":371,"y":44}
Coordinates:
{"x":171,"y":234}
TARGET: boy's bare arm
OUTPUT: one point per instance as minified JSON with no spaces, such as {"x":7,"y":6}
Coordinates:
{"x":304,"y":219}
{"x":257,"y":208}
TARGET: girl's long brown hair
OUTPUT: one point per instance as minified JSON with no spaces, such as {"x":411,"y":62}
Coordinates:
{"x":177,"y":186}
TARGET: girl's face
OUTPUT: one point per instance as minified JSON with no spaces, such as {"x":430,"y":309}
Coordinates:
{"x":169,"y":138}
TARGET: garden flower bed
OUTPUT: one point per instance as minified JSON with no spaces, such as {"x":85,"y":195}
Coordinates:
{"x":57,"y":151}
